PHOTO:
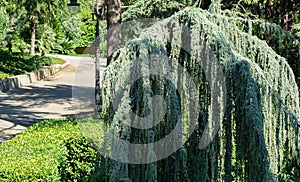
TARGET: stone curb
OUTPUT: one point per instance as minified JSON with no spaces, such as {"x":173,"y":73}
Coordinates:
{"x":27,"y":78}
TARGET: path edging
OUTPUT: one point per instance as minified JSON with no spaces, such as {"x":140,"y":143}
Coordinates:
{"x":27,"y":78}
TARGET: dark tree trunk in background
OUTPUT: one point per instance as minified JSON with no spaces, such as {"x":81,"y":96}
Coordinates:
{"x":114,"y":33}
{"x":11,"y":20}
{"x":32,"y":26}
{"x":11,"y":30}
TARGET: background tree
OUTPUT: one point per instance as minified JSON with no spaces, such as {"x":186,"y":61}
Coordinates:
{"x":11,"y":8}
{"x":36,"y":12}
{"x":58,"y":32}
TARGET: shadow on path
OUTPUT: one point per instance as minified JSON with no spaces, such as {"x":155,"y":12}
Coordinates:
{"x":21,"y":108}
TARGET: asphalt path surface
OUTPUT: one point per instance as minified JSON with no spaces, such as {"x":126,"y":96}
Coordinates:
{"x":68,"y":93}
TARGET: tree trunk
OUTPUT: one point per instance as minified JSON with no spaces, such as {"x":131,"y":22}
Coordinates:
{"x":268,"y":10}
{"x":11,"y":30}
{"x":114,"y":29}
{"x":33,"y":26}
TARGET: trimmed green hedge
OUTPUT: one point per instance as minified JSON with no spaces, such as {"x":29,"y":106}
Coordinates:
{"x":18,"y":63}
{"x":51,"y":150}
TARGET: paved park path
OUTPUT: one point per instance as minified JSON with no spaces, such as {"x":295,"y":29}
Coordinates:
{"x":53,"y":97}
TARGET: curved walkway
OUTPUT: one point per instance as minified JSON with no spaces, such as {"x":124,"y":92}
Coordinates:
{"x":53,"y":97}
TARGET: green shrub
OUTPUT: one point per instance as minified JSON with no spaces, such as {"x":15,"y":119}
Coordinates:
{"x":3,"y":75}
{"x":11,"y":64}
{"x":52,"y":150}
{"x":66,"y":46}
{"x":37,"y":62}
{"x":20,"y":63}
{"x":81,"y":159}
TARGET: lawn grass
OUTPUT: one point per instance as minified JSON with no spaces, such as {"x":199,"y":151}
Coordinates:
{"x":57,"y":60}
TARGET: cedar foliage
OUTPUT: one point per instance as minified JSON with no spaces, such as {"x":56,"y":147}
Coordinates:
{"x":258,"y":138}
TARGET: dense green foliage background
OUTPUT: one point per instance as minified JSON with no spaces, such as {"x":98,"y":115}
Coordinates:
{"x":56,"y":30}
